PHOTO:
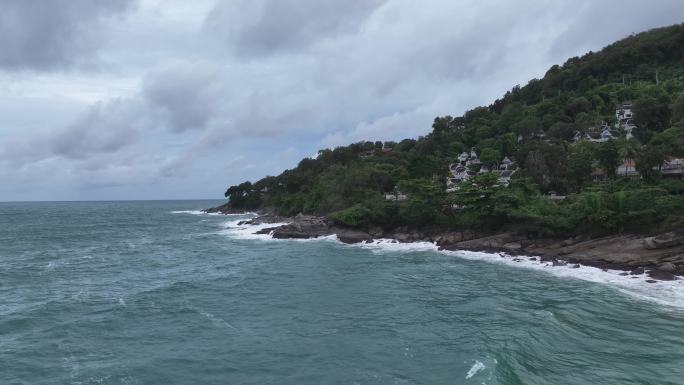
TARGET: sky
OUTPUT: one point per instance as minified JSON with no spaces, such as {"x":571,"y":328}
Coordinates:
{"x":177,"y":99}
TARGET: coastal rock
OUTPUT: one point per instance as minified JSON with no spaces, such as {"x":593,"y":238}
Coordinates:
{"x":352,"y":236}
{"x":638,"y":271}
{"x":264,"y":219}
{"x":512,"y":246}
{"x":291,"y":232}
{"x":661,"y":275}
{"x":667,"y":267}
{"x":671,"y":239}
{"x":222,"y":209}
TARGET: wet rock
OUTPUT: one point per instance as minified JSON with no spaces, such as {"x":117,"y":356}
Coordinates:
{"x":576,"y":266}
{"x":624,"y":273}
{"x":661,"y":275}
{"x":638,"y":271}
{"x":651,"y":281}
{"x":559,"y":262}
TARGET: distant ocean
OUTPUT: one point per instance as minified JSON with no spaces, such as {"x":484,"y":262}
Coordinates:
{"x":158,"y":293}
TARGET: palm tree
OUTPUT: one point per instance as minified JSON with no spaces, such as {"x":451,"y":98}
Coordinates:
{"x":628,"y":148}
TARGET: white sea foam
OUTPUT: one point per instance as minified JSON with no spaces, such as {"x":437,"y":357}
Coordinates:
{"x":246,"y":231}
{"x":477,"y":366}
{"x":391,"y":245}
{"x":200,"y":212}
{"x":669,"y":293}
{"x":663,"y":292}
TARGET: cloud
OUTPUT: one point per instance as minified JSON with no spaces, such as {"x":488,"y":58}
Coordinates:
{"x":195,"y":97}
{"x":42,"y":35}
{"x":183,"y":95}
{"x":256,"y":28}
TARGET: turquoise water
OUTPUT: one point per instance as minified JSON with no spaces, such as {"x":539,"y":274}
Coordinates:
{"x":139,"y":293}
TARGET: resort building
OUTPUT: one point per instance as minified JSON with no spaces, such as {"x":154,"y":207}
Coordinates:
{"x":624,"y":118}
{"x":673,"y":168}
{"x":469,"y":164}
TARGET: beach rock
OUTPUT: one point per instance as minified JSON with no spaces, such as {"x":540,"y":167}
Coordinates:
{"x":662,"y":241}
{"x":638,"y":271}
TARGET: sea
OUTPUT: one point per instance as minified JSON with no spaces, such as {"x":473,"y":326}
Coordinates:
{"x":156,"y":292}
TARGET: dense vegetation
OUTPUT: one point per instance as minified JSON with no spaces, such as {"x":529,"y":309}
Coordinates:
{"x":534,"y":125}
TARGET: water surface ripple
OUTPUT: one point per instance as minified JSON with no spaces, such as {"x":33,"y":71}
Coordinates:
{"x":144,"y":293}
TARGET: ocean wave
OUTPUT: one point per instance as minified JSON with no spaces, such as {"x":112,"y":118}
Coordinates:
{"x":477,"y":366}
{"x":669,"y":293}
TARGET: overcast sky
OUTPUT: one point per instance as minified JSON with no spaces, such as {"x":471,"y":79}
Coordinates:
{"x":166,"y":99}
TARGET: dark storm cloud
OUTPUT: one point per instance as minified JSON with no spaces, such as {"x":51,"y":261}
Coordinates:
{"x":272,"y":26}
{"x":40,"y":34}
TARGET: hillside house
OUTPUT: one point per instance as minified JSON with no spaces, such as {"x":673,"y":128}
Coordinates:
{"x":396,"y":196}
{"x":467,"y":165}
{"x":624,"y":118}
{"x":673,"y":168}
{"x":627,"y":169}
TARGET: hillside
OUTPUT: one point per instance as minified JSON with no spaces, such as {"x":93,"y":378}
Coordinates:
{"x":594,"y":147}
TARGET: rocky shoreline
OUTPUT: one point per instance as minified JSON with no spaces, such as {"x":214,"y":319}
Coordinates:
{"x":661,"y":256}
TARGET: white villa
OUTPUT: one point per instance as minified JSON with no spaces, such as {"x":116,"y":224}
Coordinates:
{"x":467,"y":165}
{"x":396,"y":196}
{"x":597,"y":134}
{"x":624,"y":118}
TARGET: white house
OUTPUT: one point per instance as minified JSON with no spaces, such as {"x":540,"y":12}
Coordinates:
{"x":624,"y":118}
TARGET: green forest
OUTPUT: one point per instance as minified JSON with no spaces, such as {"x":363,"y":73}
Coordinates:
{"x":577,"y":165}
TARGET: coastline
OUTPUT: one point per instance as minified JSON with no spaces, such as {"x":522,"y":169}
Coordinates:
{"x":660,"y":257}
